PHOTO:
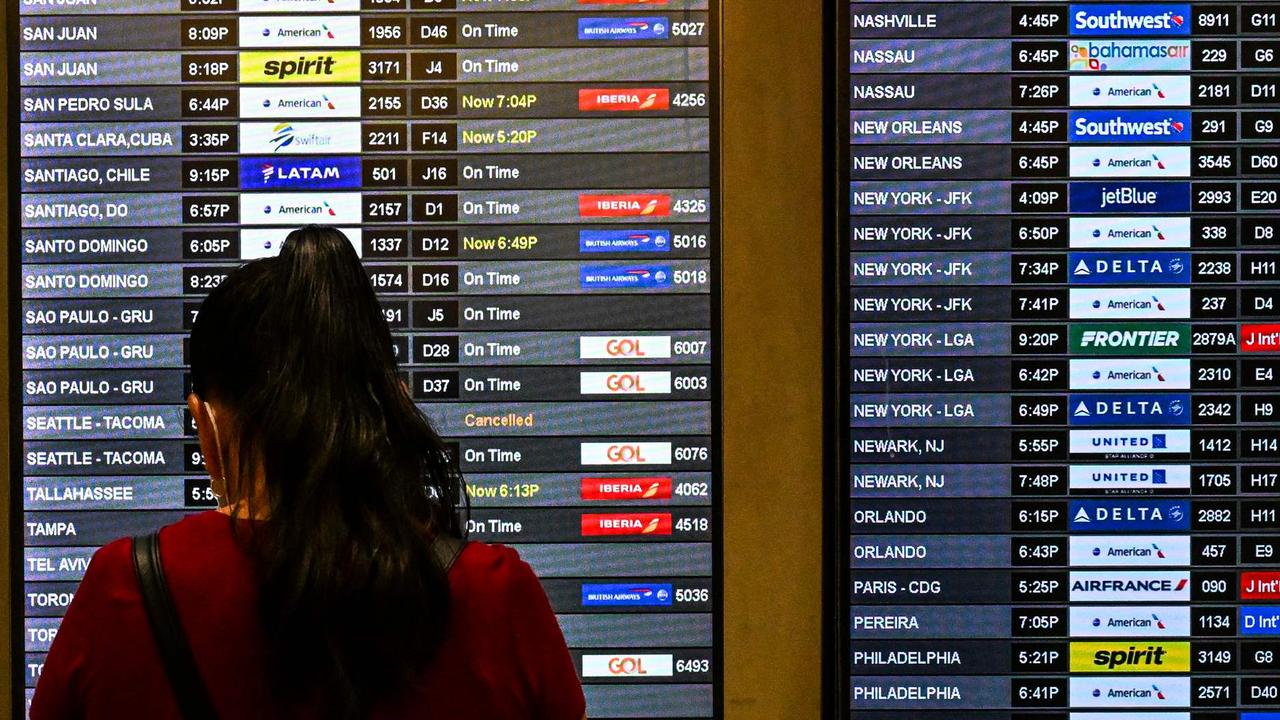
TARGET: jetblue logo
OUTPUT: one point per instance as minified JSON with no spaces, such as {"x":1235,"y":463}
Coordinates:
{"x":1091,"y":268}
{"x":1108,"y":515}
{"x":627,"y":595}
{"x":1129,"y":409}
{"x":1129,"y":126}
{"x":621,"y":241}
{"x":280,"y":173}
{"x":1162,"y":20}
{"x":1129,"y":197}
{"x":643,"y":28}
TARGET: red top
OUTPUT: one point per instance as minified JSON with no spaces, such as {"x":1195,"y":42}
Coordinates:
{"x":503,"y":656}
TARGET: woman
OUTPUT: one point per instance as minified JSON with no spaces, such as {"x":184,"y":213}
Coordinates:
{"x":313,"y":591}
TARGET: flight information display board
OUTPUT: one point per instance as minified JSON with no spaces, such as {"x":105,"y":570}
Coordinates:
{"x":532,"y":186}
{"x":1058,"y":247}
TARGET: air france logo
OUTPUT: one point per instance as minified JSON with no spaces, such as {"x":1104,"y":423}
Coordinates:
{"x":1133,"y":20}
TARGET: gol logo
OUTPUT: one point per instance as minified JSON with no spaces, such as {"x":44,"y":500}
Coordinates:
{"x":624,"y":382}
{"x":627,"y":666}
{"x":624,"y":347}
{"x":625,"y":454}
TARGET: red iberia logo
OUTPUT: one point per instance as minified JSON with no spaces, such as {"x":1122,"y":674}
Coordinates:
{"x":594,"y":524}
{"x":623,"y":99}
{"x":624,"y":205}
{"x":629,"y":488}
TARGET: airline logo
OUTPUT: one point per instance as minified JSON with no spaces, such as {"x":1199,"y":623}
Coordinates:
{"x":1130,"y":478}
{"x":625,"y":383}
{"x":627,"y":595}
{"x":1139,"y":716}
{"x":1130,"y":621}
{"x":625,"y":28}
{"x":1122,"y":443}
{"x":299,"y":6}
{"x":1130,"y":374}
{"x":258,"y":243}
{"x":627,"y":666}
{"x":1129,"y":692}
{"x":1129,"y":338}
{"x":647,"y":205}
{"x":317,"y":66}
{"x":623,"y":99}
{"x":1094,"y":268}
{"x":1260,"y":620}
{"x":1124,"y":657}
{"x":301,"y":208}
{"x":1129,"y":197}
{"x":1163,"y":91}
{"x":1129,"y":303}
{"x":630,"y":347}
{"x":1129,"y":126}
{"x":1129,"y":56}
{"x":1121,"y":410}
{"x":1260,"y":338}
{"x":1158,"y":19}
{"x":626,"y":488}
{"x":1131,"y":551}
{"x":281,"y":173}
{"x":299,"y":31}
{"x":1158,"y":162}
{"x":626,"y":276}
{"x":299,"y":138}
{"x":300,"y":103}
{"x":611,"y":524}
{"x":1130,"y":232}
{"x":1118,"y":586}
{"x":624,"y":241}
{"x":1260,"y":585}
{"x":626,"y":453}
{"x":1145,"y":514}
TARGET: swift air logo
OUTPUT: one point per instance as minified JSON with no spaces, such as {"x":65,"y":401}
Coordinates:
{"x":1151,"y":19}
{"x":627,"y":666}
{"x":1154,"y":91}
{"x":610,"y":524}
{"x":300,"y":138}
{"x":1131,"y":551}
{"x":624,"y":99}
{"x":1111,"y":515}
{"x":1130,"y":621}
{"x":1120,"y":586}
{"x":262,"y":67}
{"x":1130,"y":232}
{"x":1129,"y":338}
{"x":1112,"y":657}
{"x":626,"y":488}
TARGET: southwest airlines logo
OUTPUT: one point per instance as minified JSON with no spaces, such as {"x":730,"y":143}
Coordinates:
{"x":630,"y":595}
{"x":1119,"y":586}
{"x":622,"y":241}
{"x":1130,"y":515}
{"x":1129,"y":197}
{"x":630,"y":276}
{"x":1091,"y":161}
{"x":1129,"y":126}
{"x":1131,"y":550}
{"x":1130,"y":91}
{"x":1130,"y":374}
{"x":300,"y":103}
{"x":1130,"y":692}
{"x":1130,"y":621}
{"x":300,"y":138}
{"x":1144,"y":19}
{"x":288,"y":173}
{"x":1129,"y":443}
{"x":1129,"y":56}
{"x":1123,"y":410}
{"x":1093,"y":268}
{"x":1130,"y":232}
{"x":1130,"y":303}
{"x":643,"y":28}
{"x":1130,"y":478}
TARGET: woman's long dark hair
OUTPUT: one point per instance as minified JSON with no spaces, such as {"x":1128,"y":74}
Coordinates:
{"x":354,"y":478}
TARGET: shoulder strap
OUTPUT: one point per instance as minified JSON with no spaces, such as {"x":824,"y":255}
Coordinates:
{"x":175,"y":652}
{"x":446,"y":549}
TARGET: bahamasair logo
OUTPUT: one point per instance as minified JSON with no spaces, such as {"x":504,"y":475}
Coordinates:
{"x":1131,"y":550}
{"x":1130,"y":232}
{"x":1119,"y":586}
{"x":1148,"y":621}
{"x":1129,"y":515}
{"x":1096,"y":268}
{"x":1155,"y":19}
{"x":1119,"y":410}
{"x":1101,"y":56}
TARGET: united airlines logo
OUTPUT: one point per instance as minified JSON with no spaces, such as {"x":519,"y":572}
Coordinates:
{"x":1155,"y":19}
{"x":1125,"y":442}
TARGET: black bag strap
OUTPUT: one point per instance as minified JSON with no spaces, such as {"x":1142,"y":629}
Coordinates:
{"x":175,"y":652}
{"x":446,"y":549}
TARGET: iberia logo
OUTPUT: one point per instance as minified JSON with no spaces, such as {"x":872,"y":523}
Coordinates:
{"x":623,"y":99}
{"x":626,"y":488}
{"x":594,"y":524}
{"x":624,"y":205}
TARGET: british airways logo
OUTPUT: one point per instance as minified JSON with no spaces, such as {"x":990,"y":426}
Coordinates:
{"x":637,"y":28}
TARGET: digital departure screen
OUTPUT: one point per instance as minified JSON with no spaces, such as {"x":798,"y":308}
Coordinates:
{"x":1059,"y":378}
{"x":532,"y":186}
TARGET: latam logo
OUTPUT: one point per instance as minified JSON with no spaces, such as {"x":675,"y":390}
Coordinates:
{"x":626,"y":453}
{"x":1094,"y":268}
{"x":637,"y":347}
{"x":611,"y":524}
{"x":1129,"y":621}
{"x":627,"y":595}
{"x":627,"y":666}
{"x":651,"y":205}
{"x":1119,"y":586}
{"x":1129,"y":126}
{"x":624,"y":99}
{"x":626,"y":488}
{"x":634,"y":28}
{"x":1123,"y":410}
{"x":1129,"y":197}
{"x":624,"y":241}
{"x":629,"y":276}
{"x":625,"y":383}
{"x":1111,"y":515}
{"x":284,"y":173}
{"x":1131,"y":551}
{"x":1147,"y":19}
{"x":1260,"y":338}
{"x":1130,"y":232}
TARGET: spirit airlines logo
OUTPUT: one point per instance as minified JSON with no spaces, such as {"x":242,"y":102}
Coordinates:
{"x":300,"y":103}
{"x":1159,"y":91}
{"x":340,"y":66}
{"x":1129,"y":126}
{"x":1131,"y":551}
{"x":627,"y":666}
{"x":1129,"y":56}
{"x":300,"y":31}
{"x":610,"y":524}
{"x":626,"y":453}
{"x":1131,"y":692}
{"x":626,"y":488}
{"x":624,"y":99}
{"x":1130,"y":232}
{"x":1111,"y":515}
{"x":1130,"y":621}
{"x":1120,"y":586}
{"x":1111,"y":657}
{"x":1094,"y":268}
{"x":1155,"y":19}
{"x":1129,"y":303}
